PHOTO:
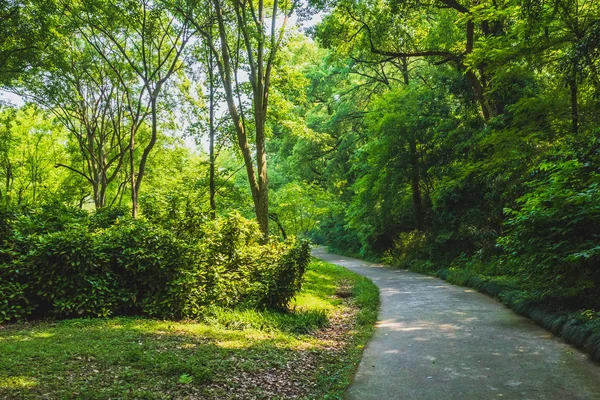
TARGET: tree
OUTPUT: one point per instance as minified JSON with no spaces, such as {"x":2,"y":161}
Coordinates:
{"x":142,"y":39}
{"x":30,"y":149}
{"x":571,"y":27}
{"x":394,"y":31}
{"x":86,"y":97}
{"x":26,"y":30}
{"x":243,"y":43}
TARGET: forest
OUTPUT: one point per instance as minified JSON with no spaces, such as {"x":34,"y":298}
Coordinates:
{"x":174,"y":160}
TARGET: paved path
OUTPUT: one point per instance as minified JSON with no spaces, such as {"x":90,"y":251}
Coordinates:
{"x":439,"y":341}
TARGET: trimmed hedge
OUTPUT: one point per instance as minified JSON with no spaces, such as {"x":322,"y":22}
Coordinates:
{"x":100,"y":266}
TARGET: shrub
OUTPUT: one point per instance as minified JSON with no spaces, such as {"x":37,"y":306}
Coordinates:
{"x":14,"y":294}
{"x":248,"y":272}
{"x":231,"y":248}
{"x":553,"y":233}
{"x":408,"y":248}
{"x":107,"y":264}
{"x":47,"y":219}
{"x":154,"y":270}
{"x":70,"y":276}
{"x":14,"y":301}
{"x":108,"y":216}
{"x":6,"y":217}
{"x":281,"y":279}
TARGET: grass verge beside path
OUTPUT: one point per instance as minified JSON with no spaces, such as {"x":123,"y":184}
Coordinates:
{"x":310,"y":353}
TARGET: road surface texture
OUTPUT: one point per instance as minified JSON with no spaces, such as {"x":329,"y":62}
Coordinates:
{"x":438,"y":341}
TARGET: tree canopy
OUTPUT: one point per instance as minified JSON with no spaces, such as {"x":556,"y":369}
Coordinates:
{"x":432,"y":134}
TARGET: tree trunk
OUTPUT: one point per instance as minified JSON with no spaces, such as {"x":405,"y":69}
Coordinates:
{"x":414,"y":162}
{"x":262,"y":201}
{"x":275,"y":218}
{"x":211,"y":129}
{"x":574,"y":103}
{"x":134,"y":197}
{"x":9,"y":181}
{"x":478,"y":88}
{"x":262,"y":210}
{"x":142,"y":167}
{"x":96,"y":195}
{"x":103,"y":188}
{"x":258,"y":185}
{"x":212,"y":189}
{"x":415,"y":180}
{"x":404,"y":70}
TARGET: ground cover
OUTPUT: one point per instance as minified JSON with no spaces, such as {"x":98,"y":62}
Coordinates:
{"x":310,"y":352}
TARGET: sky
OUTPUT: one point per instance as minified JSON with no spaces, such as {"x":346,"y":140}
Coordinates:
{"x":11,"y":98}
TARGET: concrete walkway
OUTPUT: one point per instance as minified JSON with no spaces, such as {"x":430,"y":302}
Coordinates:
{"x":438,"y":341}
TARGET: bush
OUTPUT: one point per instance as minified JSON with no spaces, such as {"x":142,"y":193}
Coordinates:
{"x":248,"y":272}
{"x":408,"y":248}
{"x":281,"y":279}
{"x":108,"y":216}
{"x":108,"y":264}
{"x":14,"y":301}
{"x":154,"y":270}
{"x":553,"y":234}
{"x":70,"y":276}
{"x":14,"y":296}
{"x":47,"y":219}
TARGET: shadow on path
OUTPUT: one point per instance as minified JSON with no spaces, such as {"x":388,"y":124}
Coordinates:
{"x":434,"y":340}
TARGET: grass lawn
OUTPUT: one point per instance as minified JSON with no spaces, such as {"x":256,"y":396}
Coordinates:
{"x":310,"y":353}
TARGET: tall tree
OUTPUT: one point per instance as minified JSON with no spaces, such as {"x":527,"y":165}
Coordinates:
{"x":249,"y":35}
{"x":395,"y":31}
{"x":85,"y":96}
{"x":31,"y":147}
{"x":140,"y":38}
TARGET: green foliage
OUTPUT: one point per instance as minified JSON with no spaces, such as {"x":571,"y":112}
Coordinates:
{"x":477,"y":158}
{"x":105,"y":264}
{"x":135,"y":358}
{"x":154,"y":271}
{"x":553,"y":233}
{"x":49,"y":218}
{"x":248,"y":271}
{"x":300,"y":207}
{"x":24,"y":24}
{"x":461,"y":138}
{"x":282,"y":277}
{"x":29,"y":151}
{"x":15,"y":303}
{"x":463,"y":141}
{"x":108,"y":216}
{"x":407,"y":249}
{"x":69,"y":275}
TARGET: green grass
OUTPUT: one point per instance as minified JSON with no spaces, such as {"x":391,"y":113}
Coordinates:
{"x":230,"y":353}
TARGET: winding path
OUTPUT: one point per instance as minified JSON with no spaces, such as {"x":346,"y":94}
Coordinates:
{"x":438,"y":341}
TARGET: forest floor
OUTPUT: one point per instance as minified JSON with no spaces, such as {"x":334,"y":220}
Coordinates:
{"x":310,"y":353}
{"x":434,"y":340}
